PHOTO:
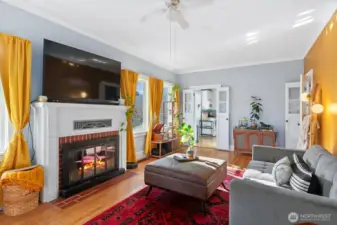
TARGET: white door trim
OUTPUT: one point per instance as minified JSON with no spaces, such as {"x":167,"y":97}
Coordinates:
{"x":202,"y":87}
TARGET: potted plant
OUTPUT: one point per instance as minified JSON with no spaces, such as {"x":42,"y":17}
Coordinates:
{"x":187,"y":137}
{"x":122,"y":127}
{"x":121,"y":101}
{"x":175,"y":90}
{"x":255,"y":111}
{"x":176,"y":123}
{"x":170,"y":95}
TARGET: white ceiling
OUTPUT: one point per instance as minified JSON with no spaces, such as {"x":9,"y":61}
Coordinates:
{"x":217,"y":36}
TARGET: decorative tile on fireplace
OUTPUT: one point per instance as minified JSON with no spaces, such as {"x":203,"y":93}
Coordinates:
{"x":87,"y":160}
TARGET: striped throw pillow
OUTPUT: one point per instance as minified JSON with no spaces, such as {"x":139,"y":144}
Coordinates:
{"x":302,"y":176}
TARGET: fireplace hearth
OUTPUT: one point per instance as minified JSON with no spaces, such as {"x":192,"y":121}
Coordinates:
{"x":87,"y":163}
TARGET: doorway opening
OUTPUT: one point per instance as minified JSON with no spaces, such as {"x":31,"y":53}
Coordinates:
{"x":205,"y":117}
{"x":206,"y":109}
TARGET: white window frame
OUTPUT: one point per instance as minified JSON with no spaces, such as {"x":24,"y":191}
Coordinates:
{"x":144,"y":128}
{"x":6,"y":129}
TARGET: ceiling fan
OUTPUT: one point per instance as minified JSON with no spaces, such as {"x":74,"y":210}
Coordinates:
{"x":175,"y":9}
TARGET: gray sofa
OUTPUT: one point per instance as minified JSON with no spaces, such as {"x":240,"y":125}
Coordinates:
{"x":254,"y":203}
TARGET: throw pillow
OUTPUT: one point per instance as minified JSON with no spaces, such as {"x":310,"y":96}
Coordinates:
{"x":302,"y":178}
{"x":282,"y":171}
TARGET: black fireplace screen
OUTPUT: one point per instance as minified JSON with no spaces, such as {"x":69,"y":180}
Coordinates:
{"x":87,"y":159}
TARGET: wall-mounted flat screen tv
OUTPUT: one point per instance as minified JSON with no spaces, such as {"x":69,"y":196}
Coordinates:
{"x":73,"y":75}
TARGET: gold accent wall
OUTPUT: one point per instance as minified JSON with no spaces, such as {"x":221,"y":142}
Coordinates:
{"x":322,"y":58}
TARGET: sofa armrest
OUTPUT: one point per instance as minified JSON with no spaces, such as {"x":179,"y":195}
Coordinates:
{"x":253,"y":203}
{"x":273,"y":154}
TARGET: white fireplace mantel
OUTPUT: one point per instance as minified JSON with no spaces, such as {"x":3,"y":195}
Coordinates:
{"x":55,"y":120}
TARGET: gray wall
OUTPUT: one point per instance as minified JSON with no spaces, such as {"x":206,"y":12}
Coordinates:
{"x":20,"y":23}
{"x":266,"y":81}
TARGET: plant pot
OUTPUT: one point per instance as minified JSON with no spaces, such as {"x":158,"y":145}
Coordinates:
{"x":121,"y":101}
{"x":254,"y":126}
{"x":190,"y":153}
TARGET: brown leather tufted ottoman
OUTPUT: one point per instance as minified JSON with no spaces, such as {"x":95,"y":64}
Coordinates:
{"x":197,"y":178}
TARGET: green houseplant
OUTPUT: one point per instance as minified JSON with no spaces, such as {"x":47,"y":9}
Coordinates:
{"x":187,"y":137}
{"x":129,"y":112}
{"x":175,"y":90}
{"x":256,"y":109}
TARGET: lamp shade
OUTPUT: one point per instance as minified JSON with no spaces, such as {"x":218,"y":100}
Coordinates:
{"x":305,"y":97}
{"x":317,"y":108}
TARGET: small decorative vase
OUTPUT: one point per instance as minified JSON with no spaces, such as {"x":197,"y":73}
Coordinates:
{"x":121,"y":101}
{"x":190,"y":154}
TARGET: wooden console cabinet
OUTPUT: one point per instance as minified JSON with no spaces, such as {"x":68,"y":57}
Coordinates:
{"x":245,"y":139}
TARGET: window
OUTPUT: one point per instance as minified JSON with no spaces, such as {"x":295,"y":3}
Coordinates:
{"x":167,"y":96}
{"x":139,"y":117}
{"x":5,"y":126}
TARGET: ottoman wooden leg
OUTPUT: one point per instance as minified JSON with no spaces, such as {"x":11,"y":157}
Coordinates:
{"x":224,"y":186}
{"x":148,"y":191}
{"x":203,"y":208}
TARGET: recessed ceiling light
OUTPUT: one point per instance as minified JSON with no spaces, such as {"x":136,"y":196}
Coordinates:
{"x":303,"y":21}
{"x":252,"y":34}
{"x":252,"y":42}
{"x":251,"y":38}
{"x":306,"y":12}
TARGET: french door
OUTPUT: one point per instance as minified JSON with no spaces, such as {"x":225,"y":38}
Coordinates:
{"x":292,"y":116}
{"x":223,"y":118}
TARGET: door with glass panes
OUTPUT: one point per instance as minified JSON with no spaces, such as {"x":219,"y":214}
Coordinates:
{"x":223,"y":119}
{"x":292,"y":116}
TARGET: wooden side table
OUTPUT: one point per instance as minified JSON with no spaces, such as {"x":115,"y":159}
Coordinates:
{"x":244,"y":139}
{"x":173,"y":145}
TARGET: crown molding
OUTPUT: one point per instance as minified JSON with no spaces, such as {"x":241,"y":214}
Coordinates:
{"x":189,"y":71}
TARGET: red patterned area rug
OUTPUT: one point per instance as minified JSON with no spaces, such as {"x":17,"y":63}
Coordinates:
{"x":169,"y":208}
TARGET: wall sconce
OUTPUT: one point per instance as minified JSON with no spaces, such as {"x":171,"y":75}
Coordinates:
{"x":305,"y":97}
{"x":317,"y":108}
{"x":333,"y":107}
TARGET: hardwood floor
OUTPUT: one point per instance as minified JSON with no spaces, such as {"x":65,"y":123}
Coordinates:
{"x":207,"y":142}
{"x":49,"y":214}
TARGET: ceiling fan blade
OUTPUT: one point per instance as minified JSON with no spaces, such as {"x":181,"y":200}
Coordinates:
{"x":196,"y":3}
{"x":152,"y":14}
{"x":158,"y":11}
{"x":178,"y":17}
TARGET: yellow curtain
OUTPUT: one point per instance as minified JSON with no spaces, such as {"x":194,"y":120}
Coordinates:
{"x":128,"y":90}
{"x":155,"y":99}
{"x":15,"y":71}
